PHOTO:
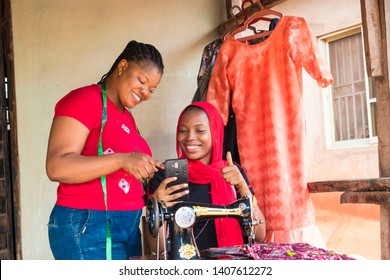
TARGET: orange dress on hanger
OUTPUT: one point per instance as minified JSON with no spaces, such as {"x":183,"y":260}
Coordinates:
{"x":266,"y":82}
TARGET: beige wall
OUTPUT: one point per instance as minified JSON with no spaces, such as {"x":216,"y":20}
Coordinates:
{"x":61,"y":45}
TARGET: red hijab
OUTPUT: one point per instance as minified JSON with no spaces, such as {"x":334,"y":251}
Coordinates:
{"x":222,"y":193}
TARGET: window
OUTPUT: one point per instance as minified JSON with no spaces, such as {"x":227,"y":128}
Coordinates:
{"x":350,"y":100}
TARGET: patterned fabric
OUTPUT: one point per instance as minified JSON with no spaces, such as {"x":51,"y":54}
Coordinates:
{"x":266,"y":81}
{"x":279,"y":251}
{"x":295,"y":251}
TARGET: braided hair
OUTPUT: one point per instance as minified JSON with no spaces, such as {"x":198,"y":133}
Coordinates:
{"x":139,"y":53}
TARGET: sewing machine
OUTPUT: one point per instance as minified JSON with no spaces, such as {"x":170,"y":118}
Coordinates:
{"x":180,"y":218}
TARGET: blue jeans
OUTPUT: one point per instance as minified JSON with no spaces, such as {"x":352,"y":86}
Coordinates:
{"x":78,"y":234}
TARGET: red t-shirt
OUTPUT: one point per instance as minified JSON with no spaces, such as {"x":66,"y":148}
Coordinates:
{"x":120,"y":134}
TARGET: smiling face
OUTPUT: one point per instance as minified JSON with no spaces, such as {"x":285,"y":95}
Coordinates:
{"x":136,"y":82}
{"x":194,"y":135}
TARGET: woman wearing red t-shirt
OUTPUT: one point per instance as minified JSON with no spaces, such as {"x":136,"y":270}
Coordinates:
{"x":100,"y":161}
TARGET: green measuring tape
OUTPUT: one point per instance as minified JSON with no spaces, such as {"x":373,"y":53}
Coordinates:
{"x":103,"y":178}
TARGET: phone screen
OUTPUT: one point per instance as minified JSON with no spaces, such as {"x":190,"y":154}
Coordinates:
{"x":177,"y":168}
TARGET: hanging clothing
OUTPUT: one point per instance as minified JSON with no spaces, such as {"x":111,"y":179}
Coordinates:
{"x":266,"y":82}
{"x":206,"y":67}
{"x":209,"y":56}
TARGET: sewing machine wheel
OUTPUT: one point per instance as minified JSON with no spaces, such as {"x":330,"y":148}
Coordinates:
{"x":153,"y":216}
{"x":185,"y":217}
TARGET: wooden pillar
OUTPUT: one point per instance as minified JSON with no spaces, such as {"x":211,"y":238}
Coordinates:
{"x":385,"y":231}
{"x":376,"y":32}
{"x":372,"y":37}
{"x":383,"y":123}
{"x":383,"y":94}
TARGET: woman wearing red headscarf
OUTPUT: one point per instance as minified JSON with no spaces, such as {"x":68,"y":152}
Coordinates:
{"x":199,"y":139}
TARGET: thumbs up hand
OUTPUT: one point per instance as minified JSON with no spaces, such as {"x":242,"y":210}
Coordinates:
{"x":229,"y":159}
{"x":233,"y":176}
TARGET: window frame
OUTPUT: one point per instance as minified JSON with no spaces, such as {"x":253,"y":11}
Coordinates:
{"x":328,"y":95}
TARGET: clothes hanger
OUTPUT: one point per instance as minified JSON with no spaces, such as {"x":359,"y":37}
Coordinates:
{"x":235,"y":18}
{"x":263,"y":14}
{"x":261,"y":6}
{"x":244,"y":11}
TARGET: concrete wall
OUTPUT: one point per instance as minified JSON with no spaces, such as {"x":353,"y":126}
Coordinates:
{"x":61,"y":45}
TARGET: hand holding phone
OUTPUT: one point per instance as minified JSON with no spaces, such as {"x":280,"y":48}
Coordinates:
{"x":177,"y":168}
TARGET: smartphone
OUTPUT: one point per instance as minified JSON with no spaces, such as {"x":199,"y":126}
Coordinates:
{"x":177,"y":168}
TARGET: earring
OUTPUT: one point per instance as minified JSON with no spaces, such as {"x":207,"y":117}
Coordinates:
{"x":120,"y":73}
